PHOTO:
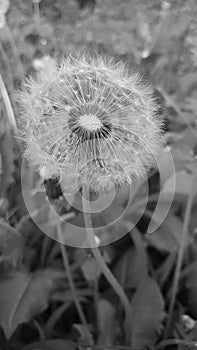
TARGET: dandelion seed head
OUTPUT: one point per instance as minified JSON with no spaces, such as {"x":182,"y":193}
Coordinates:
{"x":87,"y":120}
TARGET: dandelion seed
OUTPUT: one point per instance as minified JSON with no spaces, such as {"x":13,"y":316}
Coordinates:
{"x":87,"y":121}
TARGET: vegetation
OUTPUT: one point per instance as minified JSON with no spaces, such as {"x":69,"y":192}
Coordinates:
{"x":55,"y":296}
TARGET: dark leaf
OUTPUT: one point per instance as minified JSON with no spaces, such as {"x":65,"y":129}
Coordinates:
{"x":165,"y":269}
{"x":24,"y":295}
{"x":191,"y":285}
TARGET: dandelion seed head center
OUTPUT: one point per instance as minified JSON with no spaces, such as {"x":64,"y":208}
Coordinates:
{"x":90,"y":122}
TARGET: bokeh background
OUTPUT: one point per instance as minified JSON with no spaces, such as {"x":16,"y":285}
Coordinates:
{"x":57,"y":298}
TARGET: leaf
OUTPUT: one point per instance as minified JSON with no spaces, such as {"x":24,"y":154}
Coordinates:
{"x":107,"y":323}
{"x":11,"y":244}
{"x":167,"y":237}
{"x":188,"y":81}
{"x":23,"y":295}
{"x":53,"y":344}
{"x":131,"y":268}
{"x":34,"y":194}
{"x":165,"y":269}
{"x":193,"y":219}
{"x":91,"y":270}
{"x":184,"y":142}
{"x":147,"y":314}
{"x":84,"y":336}
{"x":191,"y":285}
{"x":7,"y":157}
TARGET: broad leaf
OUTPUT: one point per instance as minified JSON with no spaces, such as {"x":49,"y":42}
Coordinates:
{"x":11,"y":244}
{"x":147,"y":314}
{"x":24,"y":295}
{"x":91,"y":270}
{"x":131,"y":268}
{"x":167,"y":237}
{"x":107,"y":323}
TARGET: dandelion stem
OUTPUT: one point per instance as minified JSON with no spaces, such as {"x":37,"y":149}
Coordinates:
{"x":98,"y":257}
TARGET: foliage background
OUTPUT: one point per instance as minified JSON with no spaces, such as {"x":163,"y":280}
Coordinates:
{"x":157,"y":272}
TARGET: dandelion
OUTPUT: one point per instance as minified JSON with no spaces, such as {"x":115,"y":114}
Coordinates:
{"x":89,"y":122}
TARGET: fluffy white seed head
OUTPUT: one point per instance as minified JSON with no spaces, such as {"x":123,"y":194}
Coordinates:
{"x":88,"y":121}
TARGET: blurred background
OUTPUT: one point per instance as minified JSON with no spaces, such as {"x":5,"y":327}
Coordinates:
{"x":54,"y":298}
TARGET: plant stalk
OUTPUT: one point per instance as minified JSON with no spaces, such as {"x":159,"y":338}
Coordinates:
{"x":98,"y":257}
{"x":180,"y":256}
{"x":72,"y":286}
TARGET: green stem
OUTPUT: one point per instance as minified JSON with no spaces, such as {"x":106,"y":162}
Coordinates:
{"x":98,"y":257}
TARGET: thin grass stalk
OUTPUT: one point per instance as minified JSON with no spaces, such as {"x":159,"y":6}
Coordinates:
{"x":7,"y":103}
{"x":180,"y":255}
{"x":36,"y":6}
{"x":71,"y":283}
{"x":14,"y":49}
{"x":5,"y":62}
